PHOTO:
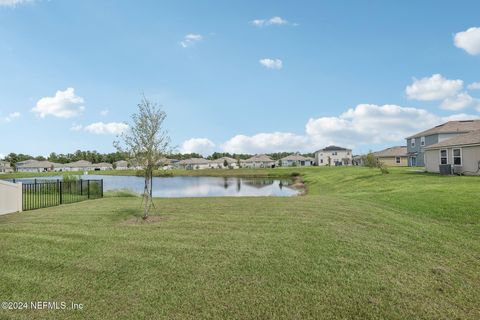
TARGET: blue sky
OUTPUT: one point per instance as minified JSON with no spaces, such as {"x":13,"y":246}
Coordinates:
{"x":238,"y":76}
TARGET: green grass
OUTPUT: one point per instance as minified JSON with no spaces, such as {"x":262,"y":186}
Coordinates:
{"x":359,"y":245}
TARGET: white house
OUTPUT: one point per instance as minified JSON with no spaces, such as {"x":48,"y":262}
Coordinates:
{"x":296,"y":160}
{"x":5,"y":167}
{"x":334,"y":156}
{"x":258,"y":161}
{"x":195,"y":164}
{"x":461,"y":154}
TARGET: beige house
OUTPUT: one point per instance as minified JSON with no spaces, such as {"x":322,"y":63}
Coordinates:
{"x":38,"y":166}
{"x":334,"y":156}
{"x":121,"y":165}
{"x":102,"y":166}
{"x":80,"y":165}
{"x":393,"y":157}
{"x":461,"y":153}
{"x":258,"y":161}
{"x":5,"y":167}
{"x":296,"y":160}
{"x":220,"y":163}
{"x":195,"y":164}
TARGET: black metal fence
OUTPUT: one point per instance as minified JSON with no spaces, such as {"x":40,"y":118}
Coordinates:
{"x":48,"y":193}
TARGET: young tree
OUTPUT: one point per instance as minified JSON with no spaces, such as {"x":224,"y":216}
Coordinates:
{"x":146,"y":142}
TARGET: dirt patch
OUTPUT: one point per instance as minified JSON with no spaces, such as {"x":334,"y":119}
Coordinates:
{"x":141,"y":221}
{"x":299,"y":184}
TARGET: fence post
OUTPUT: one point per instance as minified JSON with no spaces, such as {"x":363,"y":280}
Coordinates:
{"x":88,"y":189}
{"x":60,"y":191}
{"x":101,"y":187}
{"x":81,"y":187}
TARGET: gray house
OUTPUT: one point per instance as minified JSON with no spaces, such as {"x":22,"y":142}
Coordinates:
{"x":461,"y":154}
{"x":417,"y":143}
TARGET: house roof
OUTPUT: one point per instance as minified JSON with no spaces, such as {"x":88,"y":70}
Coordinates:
{"x":222,"y":160}
{"x":399,"y":151}
{"x":41,"y":164}
{"x":334,"y":148}
{"x":194,"y":161}
{"x":24,"y":162}
{"x":259,"y":158}
{"x":79,"y":164}
{"x":295,"y":157}
{"x":461,"y":126}
{"x":121,"y":162}
{"x":461,"y":140}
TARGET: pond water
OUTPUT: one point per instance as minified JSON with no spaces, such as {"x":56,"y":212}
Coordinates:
{"x":175,"y":187}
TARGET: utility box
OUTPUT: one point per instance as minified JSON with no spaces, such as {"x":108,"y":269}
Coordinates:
{"x":445,"y":169}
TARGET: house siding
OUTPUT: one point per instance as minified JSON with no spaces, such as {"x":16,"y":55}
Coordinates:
{"x":390,"y":161}
{"x":470,"y":159}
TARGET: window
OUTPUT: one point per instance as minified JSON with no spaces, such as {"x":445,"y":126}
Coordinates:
{"x":334,"y":153}
{"x":321,"y":160}
{"x":457,"y":157}
{"x":443,"y":156}
{"x":397,"y":159}
{"x":422,"y":141}
{"x":413,"y":143}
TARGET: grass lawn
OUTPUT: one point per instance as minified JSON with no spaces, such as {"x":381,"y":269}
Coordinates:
{"x":358,"y":245}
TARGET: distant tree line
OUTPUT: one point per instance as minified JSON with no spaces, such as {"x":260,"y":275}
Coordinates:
{"x":96,"y":157}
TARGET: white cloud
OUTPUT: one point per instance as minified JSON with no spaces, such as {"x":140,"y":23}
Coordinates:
{"x":13,"y":3}
{"x":271,"y":63}
{"x":468,"y":40}
{"x":265,"y":142}
{"x":365,"y":125}
{"x":272,"y":21}
{"x":190,"y":39}
{"x":474,"y":86}
{"x":459,"y":102}
{"x":431,"y":88}
{"x":104,"y":113}
{"x":65,"y":104}
{"x":460,"y":116}
{"x":76,"y":127}
{"x":106,"y":128}
{"x":369,"y":124}
{"x":202,"y":146}
{"x":10,"y":117}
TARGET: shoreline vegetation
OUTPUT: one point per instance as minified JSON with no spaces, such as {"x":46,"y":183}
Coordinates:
{"x":243,"y":173}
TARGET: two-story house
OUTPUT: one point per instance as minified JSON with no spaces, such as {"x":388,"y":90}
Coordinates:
{"x":416,"y":144}
{"x":5,"y":167}
{"x":333,"y":155}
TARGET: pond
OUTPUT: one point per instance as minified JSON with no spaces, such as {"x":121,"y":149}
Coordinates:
{"x":176,"y":187}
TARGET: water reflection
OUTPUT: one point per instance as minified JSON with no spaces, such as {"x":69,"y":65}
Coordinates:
{"x":173,"y":187}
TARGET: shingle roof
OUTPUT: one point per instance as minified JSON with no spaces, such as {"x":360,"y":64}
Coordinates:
{"x":333,"y":148}
{"x":79,"y":164}
{"x":295,"y":157}
{"x":259,"y":158}
{"x":222,"y":160}
{"x":461,"y":126}
{"x":461,"y":140}
{"x":41,"y":164}
{"x":392,"y":152}
{"x":194,"y":161}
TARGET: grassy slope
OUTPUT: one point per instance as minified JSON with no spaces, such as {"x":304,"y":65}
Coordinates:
{"x":359,"y":245}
